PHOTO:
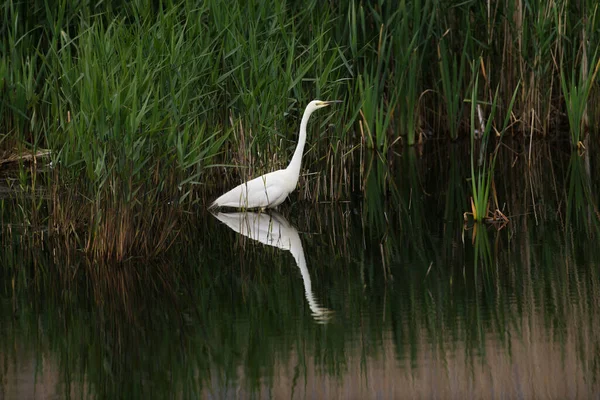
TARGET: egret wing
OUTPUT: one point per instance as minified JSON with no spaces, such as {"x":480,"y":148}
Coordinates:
{"x":265,"y":191}
{"x":268,"y":190}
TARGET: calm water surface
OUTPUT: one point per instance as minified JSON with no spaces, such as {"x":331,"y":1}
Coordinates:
{"x":386,"y":296}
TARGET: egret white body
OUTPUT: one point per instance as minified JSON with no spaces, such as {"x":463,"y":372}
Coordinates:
{"x":270,"y":190}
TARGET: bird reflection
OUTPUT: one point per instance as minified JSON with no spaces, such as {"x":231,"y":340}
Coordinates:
{"x":274,"y":230}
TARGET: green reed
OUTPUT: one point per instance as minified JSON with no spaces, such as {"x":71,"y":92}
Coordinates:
{"x":247,"y":70}
{"x":576,"y":90}
{"x":452,"y":73}
{"x":392,"y":64}
{"x":144,"y":103}
{"x":482,"y":176}
{"x":140,"y":104}
{"x":536,"y":40}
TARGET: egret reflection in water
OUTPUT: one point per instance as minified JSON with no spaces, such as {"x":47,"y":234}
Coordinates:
{"x":274,"y":230}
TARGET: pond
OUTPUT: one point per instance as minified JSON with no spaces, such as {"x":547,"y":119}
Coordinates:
{"x":386,"y":295}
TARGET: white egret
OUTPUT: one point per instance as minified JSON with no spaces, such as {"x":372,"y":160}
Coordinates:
{"x":270,"y":190}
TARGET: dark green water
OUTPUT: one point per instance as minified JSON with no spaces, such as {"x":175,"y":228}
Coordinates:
{"x":386,"y":296}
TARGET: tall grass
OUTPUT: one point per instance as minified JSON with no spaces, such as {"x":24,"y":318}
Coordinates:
{"x":482,"y":168}
{"x":452,"y":73}
{"x":144,"y":103}
{"x":137,"y":105}
{"x":302,"y":51}
{"x":249,"y":69}
{"x":576,"y":90}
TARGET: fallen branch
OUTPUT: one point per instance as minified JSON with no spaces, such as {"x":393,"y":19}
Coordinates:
{"x":13,"y":158}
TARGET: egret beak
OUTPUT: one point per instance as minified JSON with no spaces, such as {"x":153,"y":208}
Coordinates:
{"x":327,"y":103}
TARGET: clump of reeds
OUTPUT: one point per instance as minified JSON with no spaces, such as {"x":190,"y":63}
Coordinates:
{"x":482,"y":164}
{"x":137,"y":101}
{"x":576,"y":90}
{"x":189,"y":63}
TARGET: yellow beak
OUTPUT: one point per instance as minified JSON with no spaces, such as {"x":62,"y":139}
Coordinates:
{"x":330,"y":102}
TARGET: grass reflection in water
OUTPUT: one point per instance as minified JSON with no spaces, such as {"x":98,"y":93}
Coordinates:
{"x":420,"y":309}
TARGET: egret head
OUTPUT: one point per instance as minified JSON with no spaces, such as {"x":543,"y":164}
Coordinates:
{"x":316,"y":104}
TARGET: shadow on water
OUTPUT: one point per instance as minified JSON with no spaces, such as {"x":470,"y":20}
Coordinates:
{"x":422,"y":307}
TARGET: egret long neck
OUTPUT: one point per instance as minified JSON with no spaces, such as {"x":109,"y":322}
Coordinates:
{"x":297,"y":158}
